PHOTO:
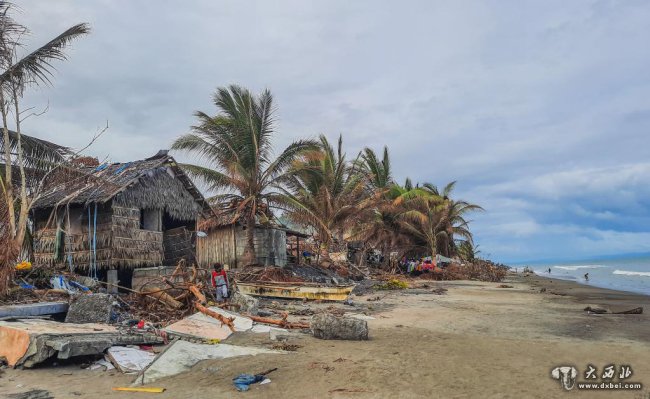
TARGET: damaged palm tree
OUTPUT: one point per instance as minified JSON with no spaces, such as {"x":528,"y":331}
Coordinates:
{"x":17,"y":74}
{"x":236,"y":146}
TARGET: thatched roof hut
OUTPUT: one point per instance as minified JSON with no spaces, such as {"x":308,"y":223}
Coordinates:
{"x":114,"y":216}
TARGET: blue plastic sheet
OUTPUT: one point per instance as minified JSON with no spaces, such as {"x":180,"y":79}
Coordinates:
{"x":243,"y":381}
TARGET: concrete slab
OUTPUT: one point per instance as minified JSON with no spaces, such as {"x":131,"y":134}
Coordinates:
{"x":200,"y":326}
{"x":27,"y":342}
{"x":90,"y":308}
{"x":129,"y":360}
{"x":33,"y":309}
{"x":182,"y":355}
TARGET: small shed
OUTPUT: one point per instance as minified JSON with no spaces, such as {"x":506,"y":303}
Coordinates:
{"x":118,"y":216}
{"x":225,"y":242}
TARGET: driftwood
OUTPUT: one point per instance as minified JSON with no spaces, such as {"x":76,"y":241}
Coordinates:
{"x":638,"y":310}
{"x":163,"y":297}
{"x":198,"y":294}
{"x":282,"y":322}
{"x":229,"y":321}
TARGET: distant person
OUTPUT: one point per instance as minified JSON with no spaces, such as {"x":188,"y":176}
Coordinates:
{"x":586,"y":276}
{"x":220,"y":282}
{"x":549,"y":270}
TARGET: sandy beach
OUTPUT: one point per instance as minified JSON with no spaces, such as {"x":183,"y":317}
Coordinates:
{"x":477,"y":340}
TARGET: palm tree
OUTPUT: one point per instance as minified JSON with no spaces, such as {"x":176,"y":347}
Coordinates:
{"x":16,"y":75}
{"x":452,"y":218}
{"x":420,"y":217}
{"x":237,"y":154}
{"x":325,"y":193}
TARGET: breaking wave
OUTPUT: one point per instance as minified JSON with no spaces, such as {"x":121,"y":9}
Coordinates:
{"x":579,"y":267}
{"x":632,"y":273}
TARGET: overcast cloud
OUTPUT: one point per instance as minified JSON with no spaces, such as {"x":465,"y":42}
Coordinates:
{"x":541,"y":110}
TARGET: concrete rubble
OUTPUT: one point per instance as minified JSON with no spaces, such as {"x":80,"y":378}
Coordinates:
{"x":90,"y":308}
{"x":27,"y":342}
{"x":329,"y":326}
{"x":128,"y":359}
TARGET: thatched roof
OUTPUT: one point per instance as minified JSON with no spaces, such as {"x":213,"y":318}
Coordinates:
{"x":153,"y":183}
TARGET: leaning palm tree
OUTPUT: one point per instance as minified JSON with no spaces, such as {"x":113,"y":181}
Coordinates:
{"x":237,"y":159}
{"x":325,"y":193}
{"x":17,"y":73}
{"x":453,"y":223}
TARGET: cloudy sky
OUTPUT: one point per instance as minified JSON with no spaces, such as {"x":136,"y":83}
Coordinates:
{"x":540,"y":109}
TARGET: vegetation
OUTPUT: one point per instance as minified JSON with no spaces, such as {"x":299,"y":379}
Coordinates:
{"x":237,"y":155}
{"x":317,"y":186}
{"x":23,"y":157}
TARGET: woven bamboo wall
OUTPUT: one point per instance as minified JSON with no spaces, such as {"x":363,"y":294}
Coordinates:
{"x":75,"y":244}
{"x":133,"y":247}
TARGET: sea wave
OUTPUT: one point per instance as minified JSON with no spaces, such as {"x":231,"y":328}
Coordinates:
{"x":579,"y":267}
{"x":632,"y":273}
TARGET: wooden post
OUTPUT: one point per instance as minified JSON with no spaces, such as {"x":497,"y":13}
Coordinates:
{"x":297,"y":250}
{"x":111,"y":279}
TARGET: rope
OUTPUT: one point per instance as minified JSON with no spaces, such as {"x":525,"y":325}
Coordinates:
{"x":95,"y":243}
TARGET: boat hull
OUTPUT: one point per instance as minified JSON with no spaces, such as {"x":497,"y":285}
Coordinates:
{"x":336,"y":293}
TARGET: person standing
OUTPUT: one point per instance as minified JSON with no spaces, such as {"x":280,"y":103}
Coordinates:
{"x":220,"y":282}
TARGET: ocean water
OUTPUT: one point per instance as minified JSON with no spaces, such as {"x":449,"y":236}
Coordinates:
{"x":625,"y":274}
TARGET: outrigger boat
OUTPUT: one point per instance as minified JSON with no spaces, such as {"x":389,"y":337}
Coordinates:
{"x":291,"y":290}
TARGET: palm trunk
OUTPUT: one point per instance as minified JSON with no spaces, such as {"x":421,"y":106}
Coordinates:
{"x":249,"y":251}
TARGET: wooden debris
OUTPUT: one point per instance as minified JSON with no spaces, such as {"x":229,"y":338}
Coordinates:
{"x":163,"y":297}
{"x":638,"y":310}
{"x":224,"y":320}
{"x":282,"y":323}
{"x":198,"y":294}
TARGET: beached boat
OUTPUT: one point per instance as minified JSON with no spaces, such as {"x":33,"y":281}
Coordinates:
{"x":295,"y":290}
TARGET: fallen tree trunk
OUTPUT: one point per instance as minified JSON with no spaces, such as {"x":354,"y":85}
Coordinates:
{"x":282,"y":322}
{"x":162,"y":297}
{"x":224,"y":320}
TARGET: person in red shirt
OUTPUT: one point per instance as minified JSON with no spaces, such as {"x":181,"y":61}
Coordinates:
{"x":220,"y":282}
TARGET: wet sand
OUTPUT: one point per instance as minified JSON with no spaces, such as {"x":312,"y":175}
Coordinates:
{"x":477,"y":340}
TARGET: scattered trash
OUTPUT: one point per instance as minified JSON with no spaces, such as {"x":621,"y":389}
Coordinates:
{"x":33,"y":394}
{"x":392,"y":284}
{"x":504,"y":286}
{"x":243,"y":381}
{"x":287,"y":347}
{"x":102,"y":363}
{"x":24,"y":265}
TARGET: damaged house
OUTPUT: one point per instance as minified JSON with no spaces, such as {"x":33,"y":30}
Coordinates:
{"x":225,"y":242}
{"x":118,"y":216}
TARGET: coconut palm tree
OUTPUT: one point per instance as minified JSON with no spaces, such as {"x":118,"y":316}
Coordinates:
{"x":236,"y":154}
{"x":325,"y":193}
{"x":453,"y":222}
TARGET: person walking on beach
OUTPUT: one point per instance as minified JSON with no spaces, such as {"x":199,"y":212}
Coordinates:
{"x":220,"y":282}
{"x":549,"y":270}
{"x":586,"y":276}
